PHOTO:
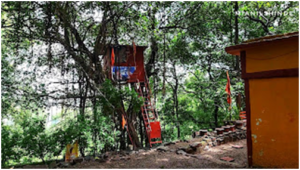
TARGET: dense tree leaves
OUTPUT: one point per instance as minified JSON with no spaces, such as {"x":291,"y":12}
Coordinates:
{"x":52,"y":54}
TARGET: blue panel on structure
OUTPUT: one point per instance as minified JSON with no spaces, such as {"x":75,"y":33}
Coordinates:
{"x":122,"y":73}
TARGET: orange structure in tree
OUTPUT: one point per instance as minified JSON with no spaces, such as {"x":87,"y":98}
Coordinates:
{"x":126,"y":66}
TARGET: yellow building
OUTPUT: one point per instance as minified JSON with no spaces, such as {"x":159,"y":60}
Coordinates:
{"x":270,"y":71}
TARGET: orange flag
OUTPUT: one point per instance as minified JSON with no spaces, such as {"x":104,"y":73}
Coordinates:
{"x":134,"y":48}
{"x":123,"y":122}
{"x":112,"y":57}
{"x":227,"y":89}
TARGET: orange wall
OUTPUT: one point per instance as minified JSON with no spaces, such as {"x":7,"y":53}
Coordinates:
{"x":274,"y":122}
{"x":280,"y":55}
{"x":274,"y":106}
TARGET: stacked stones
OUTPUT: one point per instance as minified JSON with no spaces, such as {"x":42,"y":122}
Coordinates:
{"x":222,"y":135}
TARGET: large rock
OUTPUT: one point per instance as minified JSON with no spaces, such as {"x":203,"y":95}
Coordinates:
{"x":195,"y":144}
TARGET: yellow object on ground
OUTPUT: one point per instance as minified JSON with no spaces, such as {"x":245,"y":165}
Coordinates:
{"x":71,"y":152}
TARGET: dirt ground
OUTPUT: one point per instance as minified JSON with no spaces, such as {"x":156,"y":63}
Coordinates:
{"x":159,"y":160}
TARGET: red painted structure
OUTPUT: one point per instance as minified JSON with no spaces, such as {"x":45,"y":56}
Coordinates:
{"x":125,"y":58}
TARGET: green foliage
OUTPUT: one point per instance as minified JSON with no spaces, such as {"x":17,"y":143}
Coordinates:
{"x":51,"y":57}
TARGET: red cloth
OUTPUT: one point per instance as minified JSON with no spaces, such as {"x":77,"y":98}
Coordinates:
{"x":112,"y":57}
{"x":227,"y":89}
{"x":155,"y":130}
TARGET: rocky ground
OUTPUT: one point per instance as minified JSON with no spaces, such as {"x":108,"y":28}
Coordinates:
{"x":204,"y":150}
{"x":168,"y":155}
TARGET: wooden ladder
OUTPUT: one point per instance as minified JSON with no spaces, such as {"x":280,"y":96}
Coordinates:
{"x":149,"y":113}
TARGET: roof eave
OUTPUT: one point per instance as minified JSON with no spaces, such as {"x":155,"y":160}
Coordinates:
{"x":236,"y":49}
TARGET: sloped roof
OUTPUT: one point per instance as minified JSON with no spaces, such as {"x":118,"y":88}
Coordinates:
{"x":235,"y":50}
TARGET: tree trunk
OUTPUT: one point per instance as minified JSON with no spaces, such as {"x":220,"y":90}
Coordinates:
{"x":176,"y":109}
{"x":176,"y":99}
{"x":216,"y":112}
{"x":154,"y":46}
{"x":141,"y":128}
{"x":237,"y":63}
{"x":131,"y":129}
{"x":134,"y":135}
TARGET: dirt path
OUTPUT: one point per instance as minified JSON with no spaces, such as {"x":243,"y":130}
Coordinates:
{"x":154,"y":159}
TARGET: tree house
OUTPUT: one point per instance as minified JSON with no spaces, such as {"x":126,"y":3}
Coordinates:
{"x":125,"y":64}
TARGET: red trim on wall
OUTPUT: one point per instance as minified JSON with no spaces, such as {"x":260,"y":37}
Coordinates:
{"x":293,"y":72}
{"x":248,"y":111}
